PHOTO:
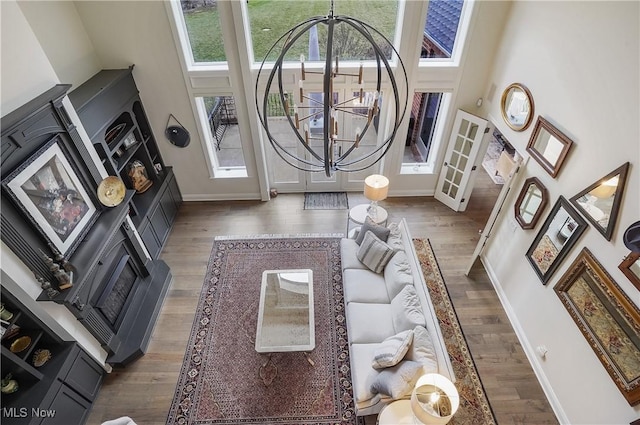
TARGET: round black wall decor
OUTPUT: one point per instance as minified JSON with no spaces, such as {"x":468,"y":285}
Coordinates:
{"x":177,"y":134}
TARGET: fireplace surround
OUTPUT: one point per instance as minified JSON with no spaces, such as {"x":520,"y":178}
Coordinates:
{"x":108,"y":255}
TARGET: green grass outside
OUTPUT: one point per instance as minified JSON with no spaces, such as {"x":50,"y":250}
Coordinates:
{"x":270,"y":19}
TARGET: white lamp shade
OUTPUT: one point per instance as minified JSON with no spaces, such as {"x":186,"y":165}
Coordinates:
{"x":421,"y":404}
{"x":376,"y":187}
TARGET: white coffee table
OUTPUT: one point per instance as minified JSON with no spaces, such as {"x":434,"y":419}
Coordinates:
{"x":285,"y":314}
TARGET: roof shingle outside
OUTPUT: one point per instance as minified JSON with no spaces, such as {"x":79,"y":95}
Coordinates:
{"x":442,"y":22}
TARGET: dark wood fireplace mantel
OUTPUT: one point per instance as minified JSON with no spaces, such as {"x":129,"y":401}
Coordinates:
{"x":26,"y":131}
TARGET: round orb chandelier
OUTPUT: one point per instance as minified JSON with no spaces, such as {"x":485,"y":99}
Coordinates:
{"x":314,"y":118}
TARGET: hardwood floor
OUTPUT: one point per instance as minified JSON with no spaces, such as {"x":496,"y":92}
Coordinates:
{"x":144,"y":390}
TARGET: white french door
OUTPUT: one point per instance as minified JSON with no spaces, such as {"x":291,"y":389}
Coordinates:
{"x":460,"y":158}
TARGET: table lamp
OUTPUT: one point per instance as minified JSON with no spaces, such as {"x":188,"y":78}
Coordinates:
{"x":434,"y":399}
{"x":376,"y":187}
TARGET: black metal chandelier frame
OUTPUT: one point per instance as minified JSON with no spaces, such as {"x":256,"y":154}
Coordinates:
{"x":332,"y":158}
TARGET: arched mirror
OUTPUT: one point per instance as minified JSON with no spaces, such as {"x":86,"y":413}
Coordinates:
{"x":530,"y":203}
{"x":517,"y":106}
{"x":600,"y":202}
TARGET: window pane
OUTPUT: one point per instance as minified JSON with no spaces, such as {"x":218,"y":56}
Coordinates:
{"x":270,"y":19}
{"x":203,"y":28}
{"x":441,"y":28}
{"x":224,"y":134}
{"x":422,"y":129}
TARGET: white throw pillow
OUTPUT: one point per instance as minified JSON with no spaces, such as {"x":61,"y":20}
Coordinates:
{"x":395,"y":237}
{"x":406,"y":310}
{"x":397,"y":274}
{"x":392,"y":350}
{"x":397,"y":381}
{"x":422,"y":350}
{"x":374,"y":253}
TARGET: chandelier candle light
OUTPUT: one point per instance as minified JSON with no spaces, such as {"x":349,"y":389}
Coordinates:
{"x":316,"y":118}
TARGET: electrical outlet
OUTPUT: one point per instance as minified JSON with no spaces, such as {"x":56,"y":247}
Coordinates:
{"x":542,"y":351}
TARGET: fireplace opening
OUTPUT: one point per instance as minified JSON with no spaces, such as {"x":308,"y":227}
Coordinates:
{"x":115,"y":293}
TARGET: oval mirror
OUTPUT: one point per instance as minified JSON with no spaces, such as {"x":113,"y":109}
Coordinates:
{"x":517,"y":106}
{"x":530,"y":203}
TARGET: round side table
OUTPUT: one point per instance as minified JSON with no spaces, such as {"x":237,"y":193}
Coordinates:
{"x":396,"y":413}
{"x":358,"y":215}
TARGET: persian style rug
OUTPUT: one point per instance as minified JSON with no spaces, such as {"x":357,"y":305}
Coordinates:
{"x":326,"y":201}
{"x":220,"y":381}
{"x":474,"y":406}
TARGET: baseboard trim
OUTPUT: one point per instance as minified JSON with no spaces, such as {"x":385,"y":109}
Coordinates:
{"x":221,"y":197}
{"x":528,"y":349}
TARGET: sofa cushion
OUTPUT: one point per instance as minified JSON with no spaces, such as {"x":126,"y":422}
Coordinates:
{"x":395,"y":237}
{"x":406,"y":310}
{"x":374,"y":253}
{"x":397,"y":274}
{"x":369,"y":323}
{"x":381,"y":232}
{"x":361,"y":371}
{"x":397,"y":381}
{"x":364,"y":286}
{"x":348,"y":251}
{"x":392,"y":350}
{"x":422,"y":350}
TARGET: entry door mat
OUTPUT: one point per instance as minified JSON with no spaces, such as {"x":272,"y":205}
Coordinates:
{"x":326,"y":201}
{"x":224,"y":380}
{"x":474,"y":405}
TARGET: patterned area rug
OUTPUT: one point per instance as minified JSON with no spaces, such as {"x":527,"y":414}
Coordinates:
{"x":220,"y":379}
{"x":474,"y":406}
{"x":326,"y":201}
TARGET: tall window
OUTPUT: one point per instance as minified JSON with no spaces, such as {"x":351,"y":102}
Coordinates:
{"x":203,"y":29}
{"x":270,"y":20}
{"x":223,"y":135}
{"x":441,"y":28}
{"x":425,"y":129}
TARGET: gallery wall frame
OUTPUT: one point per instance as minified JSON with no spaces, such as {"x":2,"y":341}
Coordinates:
{"x":48,"y":190}
{"x":559,"y":233}
{"x":607,"y":318}
{"x":630,"y":267}
{"x":549,"y":146}
{"x":600,"y":202}
{"x":531,"y":202}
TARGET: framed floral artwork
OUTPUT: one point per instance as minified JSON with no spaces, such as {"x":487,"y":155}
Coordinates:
{"x":607,"y":318}
{"x":51,"y":195}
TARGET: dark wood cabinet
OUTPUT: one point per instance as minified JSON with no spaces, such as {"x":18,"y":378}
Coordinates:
{"x":61,"y":390}
{"x":112,"y":113}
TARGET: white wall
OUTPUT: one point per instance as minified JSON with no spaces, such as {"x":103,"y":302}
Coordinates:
{"x":62,"y":36}
{"x":138,"y":32}
{"x":580,"y":61}
{"x":27,"y":73}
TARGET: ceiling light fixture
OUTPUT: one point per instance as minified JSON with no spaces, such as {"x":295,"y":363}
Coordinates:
{"x":316,"y":118}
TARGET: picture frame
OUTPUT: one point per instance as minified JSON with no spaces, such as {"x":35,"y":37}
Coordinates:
{"x":607,"y":318}
{"x":600,"y":203}
{"x":549,"y":146}
{"x":560,"y":231}
{"x":516,"y":106}
{"x":47,"y":189}
{"x":630,"y":267}
{"x":531,"y":202}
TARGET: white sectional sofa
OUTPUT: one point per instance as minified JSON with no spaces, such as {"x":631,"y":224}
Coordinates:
{"x":373,"y":316}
